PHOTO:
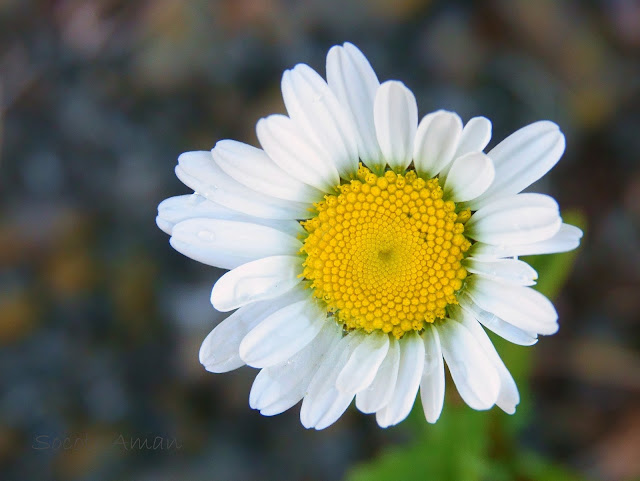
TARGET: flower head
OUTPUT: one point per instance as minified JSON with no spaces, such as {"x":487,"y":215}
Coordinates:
{"x":366,"y":248}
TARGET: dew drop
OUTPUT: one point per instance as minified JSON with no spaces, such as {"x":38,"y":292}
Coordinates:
{"x":210,"y":191}
{"x":206,"y":236}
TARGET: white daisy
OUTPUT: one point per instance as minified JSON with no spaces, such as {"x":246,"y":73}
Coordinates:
{"x":365,"y":249}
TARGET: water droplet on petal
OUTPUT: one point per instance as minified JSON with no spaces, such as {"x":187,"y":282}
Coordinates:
{"x":206,"y":236}
{"x":210,"y":191}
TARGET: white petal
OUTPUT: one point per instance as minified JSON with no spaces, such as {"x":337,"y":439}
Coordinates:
{"x":518,"y":201}
{"x":409,"y":374}
{"x":395,"y":114}
{"x":337,"y":409}
{"x":379,"y":392}
{"x":502,"y":328}
{"x":228,"y":244}
{"x":432,"y":383}
{"x":511,"y":271}
{"x":473,"y":373}
{"x":198,"y":171}
{"x":219,"y":351}
{"x":323,"y":403}
{"x":523,"y":307}
{"x":285,"y":143}
{"x":255,"y":169}
{"x":281,"y":335}
{"x":522,"y":158}
{"x":256,"y":281}
{"x":469,"y":176}
{"x":436,"y":141}
{"x":280,"y":387}
{"x":354,"y":83}
{"x":173,"y":210}
{"x":508,"y":397}
{"x":475,"y":136}
{"x":363,"y":364}
{"x":567,"y":239}
{"x":518,"y":219}
{"x":207,"y":256}
{"x":312,"y":105}
{"x":492,"y":322}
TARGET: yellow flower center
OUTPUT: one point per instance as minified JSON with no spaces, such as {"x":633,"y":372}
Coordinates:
{"x":385,"y":253}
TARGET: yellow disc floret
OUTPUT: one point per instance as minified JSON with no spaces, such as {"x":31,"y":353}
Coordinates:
{"x":385,"y":252}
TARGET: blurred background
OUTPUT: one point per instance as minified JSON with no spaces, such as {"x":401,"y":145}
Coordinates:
{"x":101,"y":321}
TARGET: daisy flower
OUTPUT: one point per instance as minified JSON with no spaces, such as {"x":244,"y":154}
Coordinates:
{"x":366,"y":249}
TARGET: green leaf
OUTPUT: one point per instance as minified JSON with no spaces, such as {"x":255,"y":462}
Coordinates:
{"x":452,"y":449}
